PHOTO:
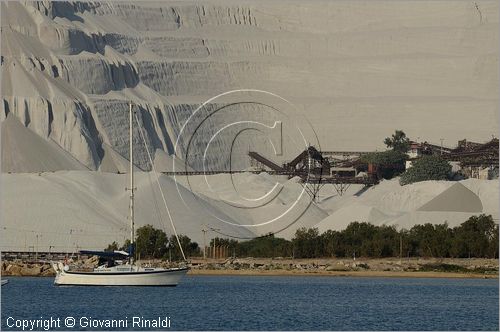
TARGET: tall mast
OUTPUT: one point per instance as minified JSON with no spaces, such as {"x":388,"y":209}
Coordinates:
{"x":131,"y":158}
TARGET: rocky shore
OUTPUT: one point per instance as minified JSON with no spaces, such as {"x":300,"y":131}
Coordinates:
{"x":18,"y":268}
{"x":415,"y":267}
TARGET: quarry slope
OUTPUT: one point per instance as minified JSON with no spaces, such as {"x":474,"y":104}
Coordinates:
{"x":356,"y":70}
{"x":434,"y":202}
{"x":71,"y":210}
{"x":68,"y":210}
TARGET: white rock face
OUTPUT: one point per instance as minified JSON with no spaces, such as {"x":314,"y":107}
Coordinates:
{"x":434,"y":202}
{"x":349,"y":73}
{"x":71,"y":210}
{"x":357,"y":70}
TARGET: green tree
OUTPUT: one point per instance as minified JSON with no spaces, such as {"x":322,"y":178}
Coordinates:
{"x":431,"y":240}
{"x":442,"y":240}
{"x":389,"y":163}
{"x":421,"y":237}
{"x":398,"y":142}
{"x":476,"y":237}
{"x":493,"y":248}
{"x":333,"y":244}
{"x":151,"y":242}
{"x":426,"y":168}
{"x":112,"y":247}
{"x":473,"y":238}
{"x":358,"y":238}
{"x":385,"y":242}
{"x":264,"y":246}
{"x":190,"y":248}
{"x":306,"y":243}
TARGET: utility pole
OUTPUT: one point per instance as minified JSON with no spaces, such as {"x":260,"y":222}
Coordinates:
{"x":354,"y":245}
{"x":204,"y":243}
{"x":441,"y":139}
{"x":400,"y":248}
{"x":170,"y":253}
{"x":215,"y":240}
{"x":215,"y":252}
{"x":36,"y":253}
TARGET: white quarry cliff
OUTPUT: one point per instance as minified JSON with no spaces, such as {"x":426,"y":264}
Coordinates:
{"x":69,"y":68}
{"x":355,"y":71}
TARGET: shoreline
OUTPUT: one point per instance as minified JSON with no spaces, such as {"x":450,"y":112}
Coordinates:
{"x":354,"y":274}
{"x":476,"y":268}
{"x":332,"y":274}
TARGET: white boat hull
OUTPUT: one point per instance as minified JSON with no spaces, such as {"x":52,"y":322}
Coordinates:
{"x":4,"y":282}
{"x":157,"y":277}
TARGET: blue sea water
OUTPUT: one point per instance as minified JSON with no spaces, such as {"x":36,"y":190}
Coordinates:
{"x":266,"y":303}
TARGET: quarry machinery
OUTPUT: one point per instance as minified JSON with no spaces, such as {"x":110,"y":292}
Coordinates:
{"x":314,"y":170}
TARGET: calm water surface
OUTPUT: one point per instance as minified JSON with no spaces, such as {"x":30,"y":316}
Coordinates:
{"x":269,"y":303}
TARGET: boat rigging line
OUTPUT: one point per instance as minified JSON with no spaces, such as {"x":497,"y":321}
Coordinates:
{"x":159,"y":186}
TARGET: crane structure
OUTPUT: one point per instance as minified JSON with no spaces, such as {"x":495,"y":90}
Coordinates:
{"x":315,"y":170}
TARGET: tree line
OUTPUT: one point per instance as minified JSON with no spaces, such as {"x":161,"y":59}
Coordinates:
{"x":151,"y":243}
{"x":392,"y":162}
{"x":476,"y":237}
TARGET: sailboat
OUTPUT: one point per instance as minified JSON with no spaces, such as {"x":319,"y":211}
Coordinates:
{"x":118,"y":268}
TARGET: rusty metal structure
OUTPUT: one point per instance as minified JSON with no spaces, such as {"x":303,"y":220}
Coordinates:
{"x":314,"y":168}
{"x":476,"y":159}
{"x":471,"y":156}
{"x":475,"y":154}
{"x":466,"y":152}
